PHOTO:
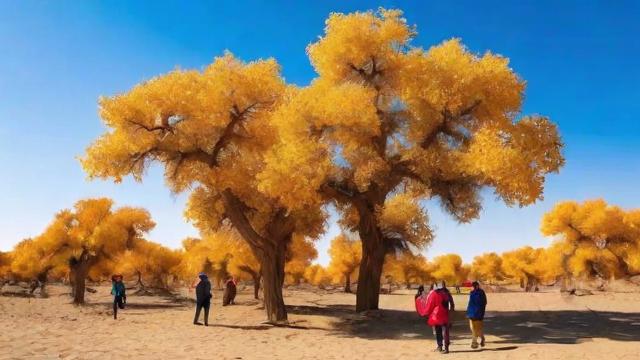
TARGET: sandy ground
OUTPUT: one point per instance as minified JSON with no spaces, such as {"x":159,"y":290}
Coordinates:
{"x":324,"y":326}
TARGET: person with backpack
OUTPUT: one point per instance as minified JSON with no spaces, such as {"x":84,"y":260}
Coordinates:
{"x":438,"y":304}
{"x":119,"y":294}
{"x":203,"y":299}
{"x":475,"y":313}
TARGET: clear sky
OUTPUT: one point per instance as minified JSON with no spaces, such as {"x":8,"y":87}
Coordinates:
{"x":580,"y":60}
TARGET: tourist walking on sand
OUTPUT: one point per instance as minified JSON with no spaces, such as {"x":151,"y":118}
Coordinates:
{"x":475,"y":313}
{"x":119,"y":294}
{"x":439,"y":302}
{"x":203,"y":299}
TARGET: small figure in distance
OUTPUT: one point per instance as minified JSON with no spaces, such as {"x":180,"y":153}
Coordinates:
{"x":230,"y":290}
{"x":475,"y":313}
{"x":203,"y":299}
{"x":119,"y":294}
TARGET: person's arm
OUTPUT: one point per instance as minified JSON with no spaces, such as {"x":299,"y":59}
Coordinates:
{"x":452,"y":304}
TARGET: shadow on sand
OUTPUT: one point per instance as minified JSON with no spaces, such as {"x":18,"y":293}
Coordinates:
{"x":522,"y":327}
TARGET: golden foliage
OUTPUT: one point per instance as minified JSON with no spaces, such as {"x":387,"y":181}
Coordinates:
{"x":595,"y":239}
{"x":449,"y":267}
{"x":299,"y":256}
{"x":487,"y":267}
{"x":407,"y":268}
{"x":345,"y":254}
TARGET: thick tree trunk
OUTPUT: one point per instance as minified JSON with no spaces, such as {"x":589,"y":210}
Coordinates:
{"x":368,"y":292}
{"x":373,"y":252}
{"x":347,"y":283}
{"x":79,"y":276}
{"x":272,"y":263}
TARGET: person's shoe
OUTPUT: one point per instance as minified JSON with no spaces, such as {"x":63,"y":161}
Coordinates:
{"x":445,"y":351}
{"x":197,"y":323}
{"x":206,"y":324}
{"x":438,"y":349}
{"x":474,"y":345}
{"x":482,"y":341}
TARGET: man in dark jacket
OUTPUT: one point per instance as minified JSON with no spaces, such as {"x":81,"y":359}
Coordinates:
{"x":475,"y":313}
{"x":203,"y":299}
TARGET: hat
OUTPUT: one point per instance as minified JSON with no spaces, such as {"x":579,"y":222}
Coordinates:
{"x":202,"y":275}
{"x":475,"y":283}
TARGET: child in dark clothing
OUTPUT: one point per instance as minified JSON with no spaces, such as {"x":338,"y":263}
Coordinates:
{"x":119,"y":294}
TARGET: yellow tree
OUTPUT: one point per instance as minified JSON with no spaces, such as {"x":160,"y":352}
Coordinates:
{"x":594,"y":239}
{"x":317,"y":275}
{"x":299,"y":257}
{"x":449,"y":267}
{"x":210,"y":255}
{"x":487,"y":267}
{"x":80,"y":238}
{"x":210,"y":130}
{"x":407,"y":268}
{"x":386,"y":125}
{"x":522,"y":265}
{"x":151,"y":262}
{"x":345,"y":254}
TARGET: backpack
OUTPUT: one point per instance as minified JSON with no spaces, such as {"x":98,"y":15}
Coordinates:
{"x":421,"y":305}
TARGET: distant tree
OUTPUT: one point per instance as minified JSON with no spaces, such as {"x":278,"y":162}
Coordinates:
{"x":300,"y":254}
{"x":317,"y":275}
{"x":450,"y":268}
{"x":151,"y":262}
{"x":487,"y":267}
{"x":243,"y":261}
{"x":345,"y":254}
{"x":408,"y":268}
{"x":522,"y":265}
{"x":82,"y":237}
{"x":594,"y":239}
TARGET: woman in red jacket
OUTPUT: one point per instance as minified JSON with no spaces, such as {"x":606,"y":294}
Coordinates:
{"x":437,"y":310}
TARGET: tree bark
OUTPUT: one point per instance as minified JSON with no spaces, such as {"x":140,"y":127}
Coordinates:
{"x":272,"y":263}
{"x":373,"y":251}
{"x":347,"y":284}
{"x":256,"y":286}
{"x":80,"y":274}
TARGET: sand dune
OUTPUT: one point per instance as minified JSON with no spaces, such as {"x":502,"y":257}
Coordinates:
{"x":323,"y":326}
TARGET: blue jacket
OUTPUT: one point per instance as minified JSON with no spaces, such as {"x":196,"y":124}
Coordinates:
{"x":477,"y":304}
{"x":117,"y":289}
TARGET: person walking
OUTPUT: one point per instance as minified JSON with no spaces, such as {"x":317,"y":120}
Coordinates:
{"x":437,"y":311}
{"x":119,"y":294}
{"x":475,"y":313}
{"x":203,"y":299}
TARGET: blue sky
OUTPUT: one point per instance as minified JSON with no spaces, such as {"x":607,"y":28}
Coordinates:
{"x":580,"y":60}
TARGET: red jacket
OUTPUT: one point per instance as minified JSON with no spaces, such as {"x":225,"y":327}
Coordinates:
{"x":438,"y":308}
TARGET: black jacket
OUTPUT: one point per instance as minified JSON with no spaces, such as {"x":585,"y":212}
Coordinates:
{"x":203,"y":292}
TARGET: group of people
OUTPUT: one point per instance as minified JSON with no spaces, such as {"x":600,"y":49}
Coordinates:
{"x":438,"y":306}
{"x":203,"y":296}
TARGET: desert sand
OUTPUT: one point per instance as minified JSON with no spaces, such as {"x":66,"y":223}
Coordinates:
{"x":544,"y":325}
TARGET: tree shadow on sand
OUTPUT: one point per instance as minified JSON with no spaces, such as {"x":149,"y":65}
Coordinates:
{"x":522,"y":327}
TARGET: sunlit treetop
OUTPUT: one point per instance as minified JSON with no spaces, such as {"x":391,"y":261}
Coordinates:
{"x":444,"y":122}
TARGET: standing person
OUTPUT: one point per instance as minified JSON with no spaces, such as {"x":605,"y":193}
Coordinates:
{"x":203,"y":299}
{"x":119,"y":294}
{"x":230,"y":289}
{"x":475,"y":313}
{"x":437,"y":310}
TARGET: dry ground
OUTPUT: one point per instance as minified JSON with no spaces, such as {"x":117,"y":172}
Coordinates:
{"x":324,"y":326}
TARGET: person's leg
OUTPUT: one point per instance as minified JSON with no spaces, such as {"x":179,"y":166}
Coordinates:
{"x":206,"y":313}
{"x":115,"y":307}
{"x":474,"y":333}
{"x":120,"y":302}
{"x":198,"y":308}
{"x":480,"y":331}
{"x":446,"y":337}
{"x":438,"y":336}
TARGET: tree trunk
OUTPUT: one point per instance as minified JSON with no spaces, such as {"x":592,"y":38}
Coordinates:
{"x":256,"y":286}
{"x":373,"y":251}
{"x":139,"y":273}
{"x":79,"y":276}
{"x":272,"y":263}
{"x":347,"y":283}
